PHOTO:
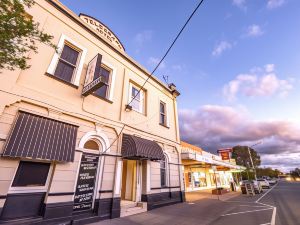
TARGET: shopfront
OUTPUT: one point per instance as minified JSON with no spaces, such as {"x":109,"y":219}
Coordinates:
{"x":203,"y":170}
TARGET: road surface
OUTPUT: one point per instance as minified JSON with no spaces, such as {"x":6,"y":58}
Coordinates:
{"x":279,"y":205}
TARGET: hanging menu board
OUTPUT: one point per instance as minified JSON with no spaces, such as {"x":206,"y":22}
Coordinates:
{"x":85,"y":187}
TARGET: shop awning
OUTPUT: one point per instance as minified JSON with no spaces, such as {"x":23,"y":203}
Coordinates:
{"x":195,"y":157}
{"x":39,"y":137}
{"x":139,"y":148}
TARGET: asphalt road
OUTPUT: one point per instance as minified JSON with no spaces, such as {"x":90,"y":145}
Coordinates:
{"x":286,"y":198}
{"x":279,"y":205}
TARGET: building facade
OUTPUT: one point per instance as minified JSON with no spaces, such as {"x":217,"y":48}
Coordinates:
{"x":81,"y":138}
{"x":203,"y":170}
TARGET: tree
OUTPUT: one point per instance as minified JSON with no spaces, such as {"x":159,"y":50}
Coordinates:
{"x":269,"y":172}
{"x":295,"y":173}
{"x":18,"y":34}
{"x":241,"y":155}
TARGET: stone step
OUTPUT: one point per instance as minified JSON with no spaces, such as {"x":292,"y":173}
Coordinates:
{"x":139,"y":207}
{"x":128,"y":205}
{"x":132,"y":211}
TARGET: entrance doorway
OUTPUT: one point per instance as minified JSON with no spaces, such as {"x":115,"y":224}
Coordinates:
{"x":129,"y":180}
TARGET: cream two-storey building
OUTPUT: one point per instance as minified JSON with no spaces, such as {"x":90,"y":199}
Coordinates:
{"x":81,"y":138}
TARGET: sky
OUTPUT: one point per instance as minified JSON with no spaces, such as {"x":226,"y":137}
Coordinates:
{"x":236,"y":65}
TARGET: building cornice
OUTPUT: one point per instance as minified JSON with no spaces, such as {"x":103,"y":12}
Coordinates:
{"x":62,"y":8}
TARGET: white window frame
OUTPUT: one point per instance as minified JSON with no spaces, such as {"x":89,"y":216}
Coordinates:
{"x":142,"y":98}
{"x":52,"y":67}
{"x":167,"y":181}
{"x":164,"y":113}
{"x":33,"y":188}
{"x":167,"y":117}
{"x":112,"y":79}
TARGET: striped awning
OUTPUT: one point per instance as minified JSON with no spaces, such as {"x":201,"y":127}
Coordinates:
{"x":139,"y":148}
{"x":39,"y":137}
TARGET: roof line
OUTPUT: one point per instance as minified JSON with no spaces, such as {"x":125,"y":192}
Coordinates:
{"x":58,"y":5}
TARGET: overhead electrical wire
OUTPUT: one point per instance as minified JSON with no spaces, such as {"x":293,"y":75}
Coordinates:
{"x":161,"y":60}
{"x":169,"y":49}
{"x":151,"y":74}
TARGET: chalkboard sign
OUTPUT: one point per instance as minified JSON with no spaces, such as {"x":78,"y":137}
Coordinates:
{"x":85,"y":187}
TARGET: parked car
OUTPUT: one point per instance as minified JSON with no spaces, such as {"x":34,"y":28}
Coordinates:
{"x":256,"y":185}
{"x":272,"y":181}
{"x":264,"y":183}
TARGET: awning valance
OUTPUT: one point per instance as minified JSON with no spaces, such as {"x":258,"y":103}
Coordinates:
{"x":139,"y":148}
{"x":39,"y":137}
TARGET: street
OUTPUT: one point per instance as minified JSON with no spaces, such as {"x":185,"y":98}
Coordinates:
{"x":280,"y":205}
{"x":286,"y":198}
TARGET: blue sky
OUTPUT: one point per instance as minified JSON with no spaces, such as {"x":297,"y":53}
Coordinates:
{"x":237,"y":60}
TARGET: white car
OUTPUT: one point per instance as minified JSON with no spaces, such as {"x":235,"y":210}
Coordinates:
{"x":264,"y":183}
{"x":272,"y":181}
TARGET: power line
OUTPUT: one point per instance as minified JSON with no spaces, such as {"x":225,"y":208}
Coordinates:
{"x":161,"y":60}
{"x":169,"y":49}
{"x":167,"y":52}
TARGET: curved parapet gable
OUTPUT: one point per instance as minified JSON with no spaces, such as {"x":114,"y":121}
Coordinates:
{"x":103,"y":31}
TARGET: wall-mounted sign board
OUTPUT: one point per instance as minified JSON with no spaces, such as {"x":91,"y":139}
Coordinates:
{"x":85,"y":188}
{"x":93,"y":69}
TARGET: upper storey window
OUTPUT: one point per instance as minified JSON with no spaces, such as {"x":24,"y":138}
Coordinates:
{"x":136,"y":98}
{"x":100,"y":72}
{"x":162,"y":114}
{"x":105,"y":74}
{"x":67,"y":62}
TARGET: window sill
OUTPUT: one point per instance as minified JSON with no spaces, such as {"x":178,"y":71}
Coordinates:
{"x":164,"y":125}
{"x":137,"y":111}
{"x":61,"y":80}
{"x":105,"y":99}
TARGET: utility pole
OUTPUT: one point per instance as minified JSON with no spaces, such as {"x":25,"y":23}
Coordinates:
{"x":252,"y":163}
{"x":252,"y":159}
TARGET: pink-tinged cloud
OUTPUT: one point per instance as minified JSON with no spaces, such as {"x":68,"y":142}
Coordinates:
{"x":214,"y":126}
{"x":259,"y":82}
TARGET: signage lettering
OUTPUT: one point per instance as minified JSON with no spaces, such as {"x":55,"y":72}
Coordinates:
{"x":103,"y":31}
{"x":225,"y":153}
{"x":83,"y":199}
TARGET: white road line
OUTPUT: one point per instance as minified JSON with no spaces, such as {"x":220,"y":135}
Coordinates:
{"x":265,"y":204}
{"x":255,"y":206}
{"x":266,"y":193}
{"x":273,"y":216}
{"x":265,"y":224}
{"x":274,"y":208}
{"x":229,"y":214}
{"x":240,"y":201}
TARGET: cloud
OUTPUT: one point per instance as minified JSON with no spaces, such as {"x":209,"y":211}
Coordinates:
{"x":153,"y":61}
{"x":254,"y":30}
{"x":214,"y":126}
{"x":258,"y":82}
{"x":221,"y":47}
{"x":284,"y":162}
{"x":269,"y":68}
{"x":272,"y":4}
{"x":142,"y":38}
{"x":240,"y":4}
